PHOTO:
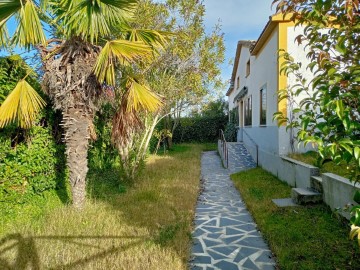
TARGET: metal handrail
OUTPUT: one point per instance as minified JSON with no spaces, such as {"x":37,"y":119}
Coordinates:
{"x":225,"y":150}
{"x":256,"y":146}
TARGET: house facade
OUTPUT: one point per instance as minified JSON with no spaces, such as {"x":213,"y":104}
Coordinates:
{"x":254,"y":85}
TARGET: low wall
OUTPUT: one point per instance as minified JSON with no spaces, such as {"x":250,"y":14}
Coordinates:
{"x":291,"y":171}
{"x":302,"y":172}
{"x":338,"y":192}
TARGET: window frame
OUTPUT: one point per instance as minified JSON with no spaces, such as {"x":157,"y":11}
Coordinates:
{"x":247,"y":68}
{"x":263,"y":105}
{"x":248,"y":112}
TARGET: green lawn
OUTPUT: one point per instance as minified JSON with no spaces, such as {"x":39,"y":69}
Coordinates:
{"x":308,"y":237}
{"x":145,"y":225}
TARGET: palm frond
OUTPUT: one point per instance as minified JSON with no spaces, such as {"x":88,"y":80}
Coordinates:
{"x":29,"y":31}
{"x":122,"y":51}
{"x":156,"y":39}
{"x":21,"y":105}
{"x":8,"y":8}
{"x":91,"y":19}
{"x":4,"y":36}
{"x":141,"y":97}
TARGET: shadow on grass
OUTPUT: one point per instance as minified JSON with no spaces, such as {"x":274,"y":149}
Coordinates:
{"x":27,"y":256}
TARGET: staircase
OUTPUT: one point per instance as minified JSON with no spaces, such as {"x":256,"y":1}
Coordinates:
{"x":313,"y":194}
{"x":235,"y":156}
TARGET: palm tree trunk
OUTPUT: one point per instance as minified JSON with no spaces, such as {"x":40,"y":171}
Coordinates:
{"x":76,"y":125}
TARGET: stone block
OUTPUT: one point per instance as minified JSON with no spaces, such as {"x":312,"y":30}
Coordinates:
{"x":316,"y":183}
{"x":339,"y":192}
{"x":305,"y":196}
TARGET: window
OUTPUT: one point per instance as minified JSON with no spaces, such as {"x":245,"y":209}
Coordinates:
{"x":248,"y":111}
{"x":248,"y":68}
{"x":263,"y":106}
{"x":237,"y":82}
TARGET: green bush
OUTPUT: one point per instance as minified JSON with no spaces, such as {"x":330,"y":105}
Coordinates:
{"x":230,"y":132}
{"x":102,"y":154}
{"x":199,"y":129}
{"x":30,"y":167}
{"x":31,"y":161}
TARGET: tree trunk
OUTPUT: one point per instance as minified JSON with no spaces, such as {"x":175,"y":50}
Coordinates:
{"x":76,"y":125}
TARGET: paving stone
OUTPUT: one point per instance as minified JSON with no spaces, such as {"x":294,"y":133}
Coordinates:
{"x":210,"y":243}
{"x":232,"y":231}
{"x":244,"y":253}
{"x":212,"y":229}
{"x":224,"y":265}
{"x":264,"y":257}
{"x":197,"y":248}
{"x":225,"y":249}
{"x":214,"y":235}
{"x":217,"y":256}
{"x":225,"y":235}
{"x":231,"y":239}
{"x":202,"y":260}
{"x":228,"y":222}
{"x":250,"y":265}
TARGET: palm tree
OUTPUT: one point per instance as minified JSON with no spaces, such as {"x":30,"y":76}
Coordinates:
{"x":88,"y":41}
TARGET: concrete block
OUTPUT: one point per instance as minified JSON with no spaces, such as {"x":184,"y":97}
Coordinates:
{"x":316,"y":183}
{"x":338,"y":192}
{"x":305,"y":196}
{"x":303,"y":172}
{"x":284,"y":202}
{"x":287,"y":173}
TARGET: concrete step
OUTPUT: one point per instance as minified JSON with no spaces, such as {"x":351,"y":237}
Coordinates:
{"x":316,"y":183}
{"x":305,"y":196}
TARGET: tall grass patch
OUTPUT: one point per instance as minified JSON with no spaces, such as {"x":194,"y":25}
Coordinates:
{"x":145,"y":225}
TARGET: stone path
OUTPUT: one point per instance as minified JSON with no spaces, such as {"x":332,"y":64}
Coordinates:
{"x":225,"y":235}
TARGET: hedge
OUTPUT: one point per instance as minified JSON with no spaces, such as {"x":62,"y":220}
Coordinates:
{"x":199,"y":129}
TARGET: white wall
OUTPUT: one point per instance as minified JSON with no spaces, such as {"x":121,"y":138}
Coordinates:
{"x":263,"y":71}
{"x":298,"y":52}
{"x":241,"y":72}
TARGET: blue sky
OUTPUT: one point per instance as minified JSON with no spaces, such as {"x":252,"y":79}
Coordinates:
{"x":240,"y":19}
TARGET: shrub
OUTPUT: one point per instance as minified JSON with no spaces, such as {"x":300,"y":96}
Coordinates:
{"x":199,"y":129}
{"x":29,"y":167}
{"x":230,"y":132}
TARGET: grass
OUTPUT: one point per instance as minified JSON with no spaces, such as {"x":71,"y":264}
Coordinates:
{"x":300,"y":237}
{"x":311,"y":157}
{"x":146,"y":225}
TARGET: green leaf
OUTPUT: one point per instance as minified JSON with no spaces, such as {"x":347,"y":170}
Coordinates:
{"x":357,"y":152}
{"x":357,"y":197}
{"x":339,"y":108}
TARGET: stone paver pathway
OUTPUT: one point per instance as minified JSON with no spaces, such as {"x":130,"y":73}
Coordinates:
{"x":225,"y":235}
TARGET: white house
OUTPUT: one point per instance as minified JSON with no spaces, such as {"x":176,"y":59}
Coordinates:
{"x":253,"y":89}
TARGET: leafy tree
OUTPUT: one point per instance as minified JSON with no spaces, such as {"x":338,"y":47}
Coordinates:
{"x":88,"y":42}
{"x":329,"y":115}
{"x":182,"y":74}
{"x":215,"y":108}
